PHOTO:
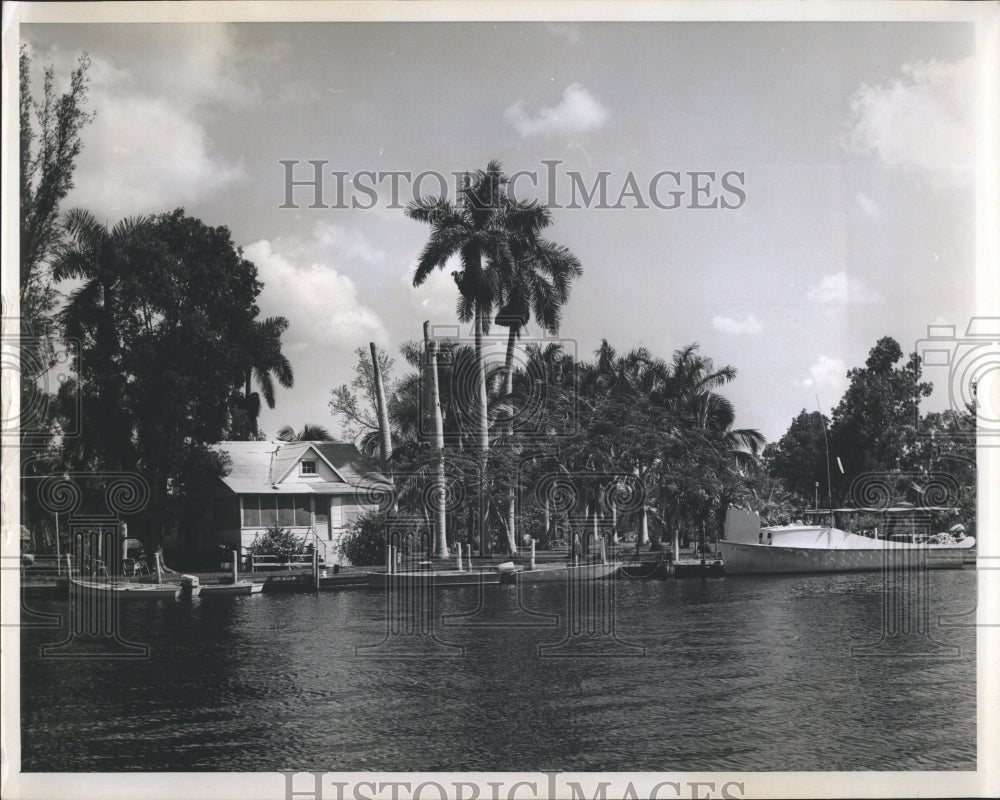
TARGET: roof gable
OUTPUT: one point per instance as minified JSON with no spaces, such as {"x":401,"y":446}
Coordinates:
{"x":288,"y":457}
{"x":265,"y":467}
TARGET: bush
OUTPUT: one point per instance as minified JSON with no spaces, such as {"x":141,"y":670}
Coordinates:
{"x":364,"y":543}
{"x":277,"y":541}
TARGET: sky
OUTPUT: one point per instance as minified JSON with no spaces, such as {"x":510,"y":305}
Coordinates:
{"x":853,"y":144}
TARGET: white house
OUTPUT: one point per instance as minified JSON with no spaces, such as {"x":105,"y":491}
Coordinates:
{"x":312,"y":488}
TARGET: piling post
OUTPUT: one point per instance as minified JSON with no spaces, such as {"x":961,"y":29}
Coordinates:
{"x":459,"y":554}
{"x":532,"y":553}
{"x":315,"y":569}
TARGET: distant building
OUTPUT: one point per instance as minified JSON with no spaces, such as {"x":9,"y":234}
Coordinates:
{"x":311,"y":488}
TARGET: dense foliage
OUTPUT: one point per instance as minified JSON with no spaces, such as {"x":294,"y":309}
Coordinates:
{"x":278,"y":542}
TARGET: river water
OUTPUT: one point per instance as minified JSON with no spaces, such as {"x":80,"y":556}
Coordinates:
{"x":737,"y":673}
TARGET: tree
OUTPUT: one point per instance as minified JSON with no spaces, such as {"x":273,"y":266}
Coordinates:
{"x":49,"y":145}
{"x":309,"y":433}
{"x":874,"y":425}
{"x":103,"y":261}
{"x":538,"y":279}
{"x":167,"y":337}
{"x":264,"y":362}
{"x":799,"y":458}
{"x":354,"y":404}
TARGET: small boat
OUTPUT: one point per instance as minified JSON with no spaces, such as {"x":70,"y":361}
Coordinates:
{"x":129,"y":591}
{"x":436,"y":577}
{"x":562,"y":572}
{"x":242,"y":587}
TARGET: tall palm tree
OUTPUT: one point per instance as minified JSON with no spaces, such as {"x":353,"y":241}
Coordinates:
{"x":536,"y":280}
{"x":474,"y":229}
{"x":265,"y":363}
{"x":309,"y":433}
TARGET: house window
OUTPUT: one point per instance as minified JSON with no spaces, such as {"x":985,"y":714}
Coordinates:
{"x":308,"y":467}
{"x":303,"y":510}
{"x":286,"y":510}
{"x":251,"y":511}
{"x":268,"y":511}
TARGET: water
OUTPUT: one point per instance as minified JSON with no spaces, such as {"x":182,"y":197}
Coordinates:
{"x":740,"y":673}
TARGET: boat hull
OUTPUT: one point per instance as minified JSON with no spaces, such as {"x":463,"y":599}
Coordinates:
{"x":240,"y":588}
{"x":379,"y":580}
{"x":743,"y":558}
{"x":129,"y":591}
{"x":563,"y":572}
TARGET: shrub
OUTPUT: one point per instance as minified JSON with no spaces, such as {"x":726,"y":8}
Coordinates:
{"x":278,"y":541}
{"x":364,"y":542}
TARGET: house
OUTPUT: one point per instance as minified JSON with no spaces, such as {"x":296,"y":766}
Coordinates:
{"x":315,"y":489}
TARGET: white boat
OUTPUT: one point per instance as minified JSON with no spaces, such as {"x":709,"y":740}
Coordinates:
{"x":129,"y":591}
{"x":242,"y":587}
{"x":749,"y":548}
{"x":565,"y":572}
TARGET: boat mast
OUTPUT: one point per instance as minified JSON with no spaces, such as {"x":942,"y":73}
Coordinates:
{"x":826,"y":446}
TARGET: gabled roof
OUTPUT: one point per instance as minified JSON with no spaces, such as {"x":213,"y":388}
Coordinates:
{"x":258,"y":468}
{"x":287,"y":456}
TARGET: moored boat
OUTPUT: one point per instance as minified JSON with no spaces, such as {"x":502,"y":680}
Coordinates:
{"x":129,"y":591}
{"x":749,"y":548}
{"x":563,"y":572}
{"x":241,"y":587}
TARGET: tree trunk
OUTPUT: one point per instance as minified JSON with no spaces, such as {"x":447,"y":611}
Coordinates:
{"x":440,"y":521}
{"x":644,"y":534}
{"x":483,"y":433}
{"x":385,"y":435}
{"x":508,"y":391}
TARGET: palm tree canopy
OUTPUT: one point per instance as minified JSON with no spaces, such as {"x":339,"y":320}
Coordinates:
{"x":309,"y":433}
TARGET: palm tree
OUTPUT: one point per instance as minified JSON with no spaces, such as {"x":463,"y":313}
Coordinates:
{"x":102,"y":259}
{"x":264,"y":360}
{"x":538,"y":279}
{"x":309,"y":433}
{"x":474,"y":229}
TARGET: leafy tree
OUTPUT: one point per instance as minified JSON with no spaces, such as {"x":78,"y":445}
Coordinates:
{"x":354,"y":405}
{"x":49,"y":146}
{"x":799,"y":457}
{"x":163,"y":314}
{"x":873,"y":426}
{"x":50,"y":142}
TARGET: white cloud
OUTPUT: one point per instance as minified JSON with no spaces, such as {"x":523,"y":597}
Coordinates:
{"x":827,"y":373}
{"x":577,"y":112}
{"x":323,"y":305}
{"x":923,"y":119}
{"x":142,"y":154}
{"x":841,"y":288}
{"x":869,"y":206}
{"x":437,"y":296}
{"x":350,"y":243}
{"x":147,"y":149}
{"x":749,"y":325}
